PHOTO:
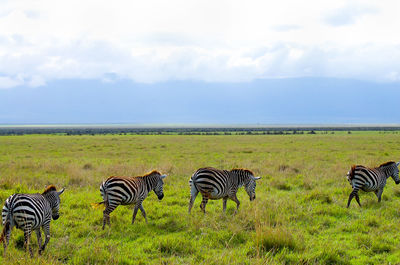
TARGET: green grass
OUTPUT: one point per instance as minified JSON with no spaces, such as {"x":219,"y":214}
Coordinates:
{"x":299,"y":215}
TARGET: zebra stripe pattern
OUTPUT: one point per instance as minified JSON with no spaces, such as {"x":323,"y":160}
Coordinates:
{"x":214,"y":184}
{"x":130,"y":190}
{"x":371,"y":179}
{"x":30,"y":212}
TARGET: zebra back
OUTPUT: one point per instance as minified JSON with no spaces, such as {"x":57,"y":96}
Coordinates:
{"x":370,"y":179}
{"x":387,"y":169}
{"x":218,"y":183}
{"x":32,"y":209}
{"x":128,"y":190}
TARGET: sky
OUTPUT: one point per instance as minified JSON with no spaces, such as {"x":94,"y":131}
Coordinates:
{"x":166,"y":49}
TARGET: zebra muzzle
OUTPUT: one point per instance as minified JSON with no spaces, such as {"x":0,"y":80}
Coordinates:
{"x":161,"y":197}
{"x":55,"y":217}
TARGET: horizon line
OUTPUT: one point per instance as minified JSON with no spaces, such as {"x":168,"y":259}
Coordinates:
{"x":196,"y":125}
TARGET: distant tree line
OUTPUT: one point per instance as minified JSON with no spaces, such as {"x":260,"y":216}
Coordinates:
{"x":185,"y":131}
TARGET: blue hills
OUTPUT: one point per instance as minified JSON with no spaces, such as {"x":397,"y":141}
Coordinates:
{"x":267,"y":101}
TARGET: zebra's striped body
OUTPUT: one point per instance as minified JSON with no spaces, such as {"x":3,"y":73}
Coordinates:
{"x":30,"y":212}
{"x":214,"y":184}
{"x":130,"y":190}
{"x":371,"y":179}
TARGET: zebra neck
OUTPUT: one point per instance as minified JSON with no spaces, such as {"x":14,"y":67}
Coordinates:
{"x":150,"y":183}
{"x":49,"y":197}
{"x":241,"y":178}
{"x":388,"y":171}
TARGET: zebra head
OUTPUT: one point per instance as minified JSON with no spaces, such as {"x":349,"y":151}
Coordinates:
{"x":250,"y":187}
{"x":53,"y":197}
{"x":158,"y":190}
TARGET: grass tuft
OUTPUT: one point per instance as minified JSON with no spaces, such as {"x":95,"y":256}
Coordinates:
{"x":319,"y":196}
{"x":281,"y":185}
{"x":87,"y":166}
{"x":272,"y":239}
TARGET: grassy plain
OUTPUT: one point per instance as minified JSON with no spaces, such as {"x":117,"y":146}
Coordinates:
{"x":298,"y":217}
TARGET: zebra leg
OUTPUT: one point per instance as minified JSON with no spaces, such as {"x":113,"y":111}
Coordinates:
{"x":27,"y":236}
{"x":46,"y":229}
{"x":135,"y":210}
{"x":235,"y":199}
{"x":378,"y":194}
{"x":354,"y":193}
{"x":143,"y":212}
{"x":39,"y":238}
{"x":358,"y":199}
{"x":193,"y":195}
{"x":204,"y":203}
{"x":106,"y":214}
{"x":7,"y":239}
{"x":225,"y":199}
{"x":350,"y":198}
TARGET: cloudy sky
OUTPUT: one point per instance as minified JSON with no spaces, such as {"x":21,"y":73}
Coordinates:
{"x":47,"y":44}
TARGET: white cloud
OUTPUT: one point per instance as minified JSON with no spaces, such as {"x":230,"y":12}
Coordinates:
{"x":7,"y":82}
{"x":36,"y":81}
{"x":349,"y":14}
{"x":150,"y":41}
{"x":285,"y":27}
{"x":14,"y":81}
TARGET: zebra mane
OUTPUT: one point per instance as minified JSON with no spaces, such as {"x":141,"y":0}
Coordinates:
{"x":244,"y":170}
{"x":386,"y":164}
{"x":49,"y":188}
{"x":154,"y":172}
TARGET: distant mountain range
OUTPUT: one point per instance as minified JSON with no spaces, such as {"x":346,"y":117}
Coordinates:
{"x":270,"y":101}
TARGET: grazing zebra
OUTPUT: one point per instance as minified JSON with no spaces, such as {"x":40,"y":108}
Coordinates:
{"x":30,"y":212}
{"x":129,"y":190}
{"x":217,"y":184}
{"x":371,"y":179}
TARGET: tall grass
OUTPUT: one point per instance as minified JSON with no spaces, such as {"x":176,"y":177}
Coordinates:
{"x":298,"y":217}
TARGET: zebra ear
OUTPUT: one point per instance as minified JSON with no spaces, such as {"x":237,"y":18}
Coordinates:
{"x":397,"y":164}
{"x":61,"y":191}
{"x":163,"y":176}
{"x":257,"y":178}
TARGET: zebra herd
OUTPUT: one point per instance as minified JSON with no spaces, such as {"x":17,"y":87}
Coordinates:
{"x":30,"y":212}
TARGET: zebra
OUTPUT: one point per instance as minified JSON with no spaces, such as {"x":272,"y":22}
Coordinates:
{"x":217,"y":184}
{"x":371,"y":179}
{"x":129,"y":190}
{"x":30,"y":212}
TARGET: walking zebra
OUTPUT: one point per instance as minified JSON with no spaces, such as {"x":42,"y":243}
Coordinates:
{"x":30,"y":212}
{"x":371,"y":179}
{"x":217,"y":184}
{"x":129,"y":190}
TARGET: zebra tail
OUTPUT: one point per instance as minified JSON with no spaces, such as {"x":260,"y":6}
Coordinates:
{"x":97,"y":205}
{"x":6,"y":227}
{"x":104,"y":203}
{"x":352,"y":172}
{"x":193,"y":184}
